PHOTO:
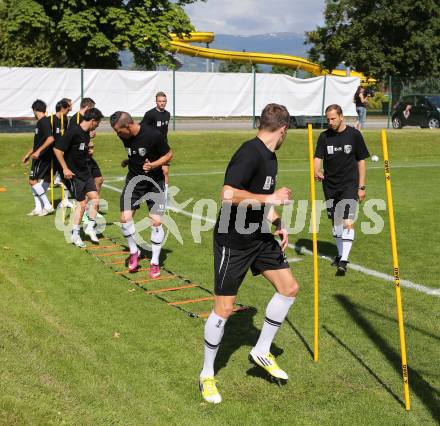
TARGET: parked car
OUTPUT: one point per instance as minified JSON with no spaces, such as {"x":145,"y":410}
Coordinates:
{"x":417,"y":110}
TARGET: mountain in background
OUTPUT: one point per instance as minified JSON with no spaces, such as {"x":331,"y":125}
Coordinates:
{"x":284,"y":43}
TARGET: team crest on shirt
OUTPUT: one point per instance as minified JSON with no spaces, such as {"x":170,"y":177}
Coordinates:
{"x":142,"y":152}
{"x":268,"y":183}
{"x":347,"y":149}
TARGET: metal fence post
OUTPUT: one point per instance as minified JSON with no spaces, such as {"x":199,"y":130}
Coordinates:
{"x":254,"y":76}
{"x":323,"y":102}
{"x":390,"y":100}
{"x":174,"y":99}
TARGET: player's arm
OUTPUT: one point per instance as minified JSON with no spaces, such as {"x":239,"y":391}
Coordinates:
{"x":362,"y":173}
{"x":235,"y":196}
{"x":317,"y":169}
{"x":68,"y":174}
{"x":275,"y":219}
{"x":27,"y":156}
{"x":47,"y":143}
{"x":159,"y":162}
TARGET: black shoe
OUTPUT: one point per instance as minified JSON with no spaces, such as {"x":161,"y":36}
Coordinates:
{"x":336,"y":261}
{"x":342,"y":267}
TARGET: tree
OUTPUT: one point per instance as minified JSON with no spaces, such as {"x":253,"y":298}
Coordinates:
{"x":280,"y":69}
{"x":379,"y":38}
{"x":89,"y":33}
{"x":228,"y":66}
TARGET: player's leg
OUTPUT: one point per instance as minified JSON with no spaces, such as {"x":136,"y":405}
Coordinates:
{"x":129,"y":231}
{"x":37,"y":202}
{"x":346,"y":209}
{"x":331,"y":198}
{"x":156,"y":206}
{"x":77,"y":188}
{"x":157,"y":237}
{"x":40,"y":169}
{"x":230,"y":267}
{"x":166,"y":170}
{"x":92,"y":202}
{"x":274,"y":267}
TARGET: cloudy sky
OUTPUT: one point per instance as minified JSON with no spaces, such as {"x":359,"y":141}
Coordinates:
{"x":246,"y":17}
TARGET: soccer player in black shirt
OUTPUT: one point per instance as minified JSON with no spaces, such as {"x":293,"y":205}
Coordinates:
{"x":85,"y":105}
{"x":243,"y":241}
{"x":58,"y":123}
{"x":343,"y":150}
{"x":41,"y":154}
{"x":147,"y":153}
{"x":71,"y":152}
{"x":159,"y":117}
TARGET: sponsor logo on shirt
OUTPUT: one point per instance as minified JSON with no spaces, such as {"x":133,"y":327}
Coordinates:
{"x":159,"y":124}
{"x":330,"y":149}
{"x":268,"y":183}
{"x":82,"y":145}
{"x":347,"y":149}
{"x":36,"y":130}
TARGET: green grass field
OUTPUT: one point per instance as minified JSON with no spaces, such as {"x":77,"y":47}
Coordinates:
{"x":80,"y":344}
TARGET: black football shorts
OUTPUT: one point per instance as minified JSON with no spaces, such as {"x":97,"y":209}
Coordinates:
{"x":231,"y":265}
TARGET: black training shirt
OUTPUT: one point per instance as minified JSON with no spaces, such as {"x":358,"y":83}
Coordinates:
{"x":57,"y":129}
{"x":42,"y":132}
{"x":252,"y":168}
{"x":159,"y":119}
{"x":341,"y":153}
{"x":75,"y":144}
{"x":76,"y":119}
{"x":149,"y":144}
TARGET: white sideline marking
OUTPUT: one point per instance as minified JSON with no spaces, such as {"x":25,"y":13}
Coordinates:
{"x":303,"y":250}
{"x":397,"y":166}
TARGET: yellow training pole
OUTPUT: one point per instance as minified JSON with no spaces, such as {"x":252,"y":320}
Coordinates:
{"x":51,"y":183}
{"x":315,"y":241}
{"x":396,"y":269}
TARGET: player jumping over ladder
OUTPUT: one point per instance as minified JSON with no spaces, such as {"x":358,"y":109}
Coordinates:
{"x":147,"y":152}
{"x":243,"y":241}
{"x":71,"y":152}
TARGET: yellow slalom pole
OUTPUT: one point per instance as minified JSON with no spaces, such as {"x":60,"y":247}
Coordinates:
{"x":51,"y":183}
{"x":315,"y":242}
{"x":396,"y":269}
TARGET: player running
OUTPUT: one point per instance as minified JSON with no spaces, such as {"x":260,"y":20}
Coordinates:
{"x":159,"y":117}
{"x":71,"y":152}
{"x":147,"y":152}
{"x":41,"y":154}
{"x":243,"y":241}
{"x":344,"y":152}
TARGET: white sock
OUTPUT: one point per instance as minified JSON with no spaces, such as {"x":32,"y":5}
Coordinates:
{"x":347,"y":242}
{"x":128,"y":231}
{"x":337,"y":233}
{"x":39,"y":190}
{"x":214,"y":329}
{"x":157,"y":236}
{"x":45,"y":185}
{"x":276,"y":311}
{"x":38,"y":204}
{"x":75,"y":231}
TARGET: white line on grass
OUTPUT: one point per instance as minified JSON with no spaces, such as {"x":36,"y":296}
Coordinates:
{"x":397,"y":166}
{"x":303,"y":250}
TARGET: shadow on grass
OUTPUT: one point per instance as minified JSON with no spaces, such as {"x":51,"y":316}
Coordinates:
{"x":324,"y":247}
{"x":429,"y":396}
{"x":361,"y":361}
